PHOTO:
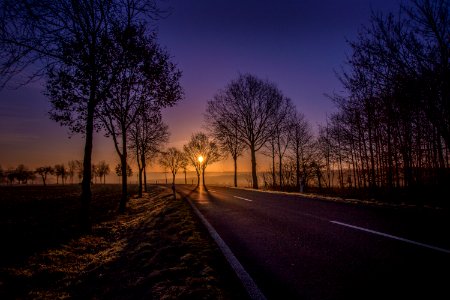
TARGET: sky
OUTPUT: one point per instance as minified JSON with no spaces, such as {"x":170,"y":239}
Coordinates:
{"x":298,"y":45}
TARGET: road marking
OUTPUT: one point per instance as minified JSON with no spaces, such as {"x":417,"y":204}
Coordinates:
{"x":393,"y":237}
{"x":247,"y":281}
{"x":243,"y":198}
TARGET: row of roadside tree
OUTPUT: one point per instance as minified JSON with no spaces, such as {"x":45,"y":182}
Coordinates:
{"x":391,"y":130}
{"x":102,"y":67}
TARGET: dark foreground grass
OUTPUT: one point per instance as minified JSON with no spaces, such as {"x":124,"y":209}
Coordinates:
{"x":157,"y":250}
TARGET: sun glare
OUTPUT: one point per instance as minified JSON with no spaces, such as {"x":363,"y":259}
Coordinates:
{"x":200,"y":159}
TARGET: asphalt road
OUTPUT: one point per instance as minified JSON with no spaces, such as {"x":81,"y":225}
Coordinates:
{"x":301,"y":248}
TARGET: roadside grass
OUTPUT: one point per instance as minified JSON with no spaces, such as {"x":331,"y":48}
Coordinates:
{"x":157,"y":250}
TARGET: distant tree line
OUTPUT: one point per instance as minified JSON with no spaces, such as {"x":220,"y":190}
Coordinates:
{"x":22,"y":174}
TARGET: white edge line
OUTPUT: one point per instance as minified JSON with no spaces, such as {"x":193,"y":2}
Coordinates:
{"x":243,"y":198}
{"x":393,"y":237}
{"x":249,"y":284}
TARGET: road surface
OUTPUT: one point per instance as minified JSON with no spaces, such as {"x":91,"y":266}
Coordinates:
{"x":300,"y":248}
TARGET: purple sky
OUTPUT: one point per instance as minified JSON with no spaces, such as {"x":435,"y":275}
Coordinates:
{"x":296,"y":44}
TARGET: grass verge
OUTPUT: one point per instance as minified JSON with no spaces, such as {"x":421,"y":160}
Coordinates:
{"x":157,"y":250}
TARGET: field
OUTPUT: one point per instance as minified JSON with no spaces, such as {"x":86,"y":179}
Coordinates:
{"x":157,"y":250}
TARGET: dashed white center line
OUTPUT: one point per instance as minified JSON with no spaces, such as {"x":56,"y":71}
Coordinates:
{"x":392,"y":237}
{"x":243,"y":198}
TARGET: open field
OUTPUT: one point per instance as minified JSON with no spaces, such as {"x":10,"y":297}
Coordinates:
{"x":157,"y":250}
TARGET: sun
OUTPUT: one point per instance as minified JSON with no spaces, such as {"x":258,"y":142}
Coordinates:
{"x":200,"y":159}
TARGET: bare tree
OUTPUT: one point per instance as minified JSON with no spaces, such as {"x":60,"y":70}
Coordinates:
{"x":278,"y":143}
{"x":147,"y":136}
{"x":103,"y":170}
{"x":71,"y":168}
{"x":44,"y":172}
{"x":249,"y":103}
{"x":10,"y":175}
{"x":172,"y":159}
{"x":67,"y":39}
{"x":201,"y":152}
{"x":270,"y":151}
{"x":79,"y":169}
{"x":184,"y":166}
{"x":60,"y":171}
{"x":94,"y":171}
{"x":118,"y":170}
{"x":23,"y":174}
{"x":392,"y":128}
{"x":147,"y":80}
{"x":282,"y":133}
{"x":302,"y":138}
{"x":225,"y":131}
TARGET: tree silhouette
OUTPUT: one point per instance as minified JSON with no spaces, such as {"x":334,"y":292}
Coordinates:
{"x":71,"y":169}
{"x":94,"y":172}
{"x":44,"y":172}
{"x":103,"y":170}
{"x":146,"y":80}
{"x":249,"y":104}
{"x":60,"y":171}
{"x":79,"y":169}
{"x":224,"y":130}
{"x":201,"y":146}
{"x":282,"y":135}
{"x":172,"y":159}
{"x":301,"y":147}
{"x":392,"y":128}
{"x":23,"y":174}
{"x":66,"y":41}
{"x":118,"y":170}
{"x":147,"y":136}
{"x":184,"y":166}
{"x":10,"y":175}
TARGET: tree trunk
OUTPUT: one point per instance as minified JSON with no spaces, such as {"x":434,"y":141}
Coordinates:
{"x":86,"y":194}
{"x":138,"y":158}
{"x":254,"y":176}
{"x":203,"y":177}
{"x":173,"y":187}
{"x":297,"y":171}
{"x":123,"y":161}
{"x":145,"y":175}
{"x":280,"y":168}
{"x":140,"y":183}
{"x":274,"y":181}
{"x":235,"y":170}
